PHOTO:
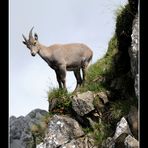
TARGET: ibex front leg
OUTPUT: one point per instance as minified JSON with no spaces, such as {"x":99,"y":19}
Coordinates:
{"x":58,"y":78}
{"x":62,"y":76}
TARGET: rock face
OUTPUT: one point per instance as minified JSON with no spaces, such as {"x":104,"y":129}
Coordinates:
{"x":131,"y":142}
{"x":108,"y":143}
{"x":100,"y":100}
{"x":61,"y":130}
{"x":83,"y":103}
{"x":122,"y":138}
{"x":84,"y":142}
{"x":133,"y":52}
{"x":122,"y":128}
{"x":133,"y":121}
{"x":20,"y":133}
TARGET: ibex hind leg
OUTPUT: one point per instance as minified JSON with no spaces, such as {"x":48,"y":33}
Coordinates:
{"x":84,"y":69}
{"x":78,"y":78}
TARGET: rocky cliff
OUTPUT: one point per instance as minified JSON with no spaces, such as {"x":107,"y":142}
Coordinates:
{"x":102,"y":113}
{"x":21,"y":135}
{"x":134,"y":54}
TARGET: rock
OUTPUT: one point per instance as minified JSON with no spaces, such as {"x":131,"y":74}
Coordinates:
{"x":133,"y":52}
{"x":52,"y":104}
{"x":19,"y":132}
{"x":122,"y":128}
{"x":133,"y":121}
{"x":41,"y":145}
{"x":136,"y":85}
{"x":103,"y":96}
{"x":134,"y":46}
{"x":16,"y":144}
{"x":119,"y":143}
{"x":108,"y":143}
{"x":84,"y":142}
{"x":20,"y":128}
{"x":61,"y":130}
{"x":120,"y":137}
{"x":131,"y":142}
{"x":34,"y":116}
{"x":82,"y":103}
{"x":117,"y":83}
{"x":100,"y":100}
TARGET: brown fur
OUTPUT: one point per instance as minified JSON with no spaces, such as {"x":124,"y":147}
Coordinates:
{"x":62,"y":57}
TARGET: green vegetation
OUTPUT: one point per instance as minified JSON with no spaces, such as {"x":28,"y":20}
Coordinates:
{"x":124,"y":21}
{"x":101,"y":132}
{"x":113,"y":67}
{"x":99,"y":71}
{"x":98,"y":77}
{"x":120,"y":108}
{"x":38,"y":131}
{"x":59,"y":101}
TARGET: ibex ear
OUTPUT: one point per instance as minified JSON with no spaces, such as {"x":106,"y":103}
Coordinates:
{"x":24,"y":42}
{"x":36,"y":36}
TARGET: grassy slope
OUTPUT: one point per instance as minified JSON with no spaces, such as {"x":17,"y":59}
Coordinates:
{"x":98,"y":79}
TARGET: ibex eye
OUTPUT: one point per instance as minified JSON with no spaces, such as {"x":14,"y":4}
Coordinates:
{"x":34,"y":43}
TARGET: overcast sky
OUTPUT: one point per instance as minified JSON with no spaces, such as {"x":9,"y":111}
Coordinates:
{"x":91,"y":22}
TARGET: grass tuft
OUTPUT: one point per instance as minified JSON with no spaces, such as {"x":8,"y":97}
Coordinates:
{"x":61,"y":99}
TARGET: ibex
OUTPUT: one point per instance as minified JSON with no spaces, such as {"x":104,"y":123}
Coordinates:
{"x":62,"y":57}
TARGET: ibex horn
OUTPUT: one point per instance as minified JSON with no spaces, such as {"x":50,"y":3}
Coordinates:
{"x":30,"y":33}
{"x":24,"y":38}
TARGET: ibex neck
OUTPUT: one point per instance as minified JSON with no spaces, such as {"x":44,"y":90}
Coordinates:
{"x":42,"y":46}
{"x":42,"y":50}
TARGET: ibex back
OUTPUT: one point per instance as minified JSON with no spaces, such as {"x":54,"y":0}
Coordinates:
{"x":62,"y":57}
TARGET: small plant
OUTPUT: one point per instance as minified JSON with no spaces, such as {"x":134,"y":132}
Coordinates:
{"x":38,"y":133}
{"x":120,"y":108}
{"x":56,"y":93}
{"x":103,"y":68}
{"x":101,"y":132}
{"x":59,"y":101}
{"x":39,"y":130}
{"x":87,"y":130}
{"x":119,"y":11}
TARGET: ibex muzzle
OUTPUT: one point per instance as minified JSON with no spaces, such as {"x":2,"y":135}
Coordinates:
{"x":61,"y":57}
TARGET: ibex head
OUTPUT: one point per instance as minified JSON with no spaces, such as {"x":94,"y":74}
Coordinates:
{"x":32,"y":43}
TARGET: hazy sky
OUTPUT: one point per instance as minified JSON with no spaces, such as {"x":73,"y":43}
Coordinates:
{"x":91,"y":22}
